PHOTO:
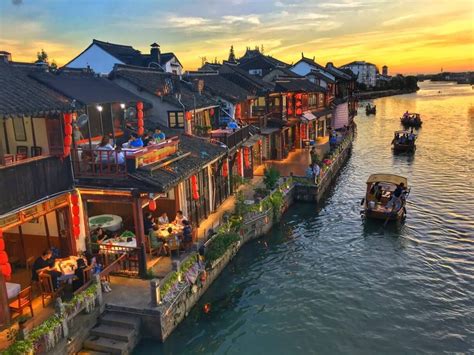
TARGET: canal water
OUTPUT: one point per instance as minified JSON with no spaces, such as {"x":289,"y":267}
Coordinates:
{"x":325,"y":282}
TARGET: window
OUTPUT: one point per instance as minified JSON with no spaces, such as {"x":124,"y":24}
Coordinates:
{"x":312,"y":101}
{"x":321,"y":100}
{"x":19,"y":129}
{"x":176,"y":119}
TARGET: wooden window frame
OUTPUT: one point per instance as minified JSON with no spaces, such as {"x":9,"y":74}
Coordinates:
{"x":19,"y":138}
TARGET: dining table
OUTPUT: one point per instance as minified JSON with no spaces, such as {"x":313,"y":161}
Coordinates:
{"x":163,"y":230}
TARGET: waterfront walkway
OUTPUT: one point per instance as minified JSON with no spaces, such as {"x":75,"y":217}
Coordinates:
{"x":297,"y":162}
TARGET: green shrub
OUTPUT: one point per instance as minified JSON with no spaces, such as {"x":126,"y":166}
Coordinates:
{"x":219,"y":245}
{"x":271,"y":178}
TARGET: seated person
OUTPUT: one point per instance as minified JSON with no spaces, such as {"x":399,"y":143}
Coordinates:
{"x":97,"y":237}
{"x":157,"y":241}
{"x":310,"y":172}
{"x":163,"y":219}
{"x":134,"y":142}
{"x":158,"y":135}
{"x":45,"y":262}
{"x":119,"y":156}
{"x":179,"y":220}
{"x":79,"y":273}
{"x":232,"y":125}
{"x":187,"y":235}
{"x":104,"y":145}
{"x":146,"y":139}
{"x":397,"y":195}
{"x":148,"y":222}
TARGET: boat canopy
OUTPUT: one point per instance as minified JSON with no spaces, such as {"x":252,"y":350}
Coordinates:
{"x":389,"y":178}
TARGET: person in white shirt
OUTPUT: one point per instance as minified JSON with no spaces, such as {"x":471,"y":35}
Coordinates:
{"x":119,"y":156}
{"x":179,"y":218}
{"x":104,"y":145}
{"x":163,"y":219}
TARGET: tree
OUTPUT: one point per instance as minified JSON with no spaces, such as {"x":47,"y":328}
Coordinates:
{"x":232,"y":55}
{"x":53,"y":65}
{"x":42,"y":56}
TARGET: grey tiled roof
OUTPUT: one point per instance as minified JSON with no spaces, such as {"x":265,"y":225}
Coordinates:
{"x":22,"y":95}
{"x":154,"y":82}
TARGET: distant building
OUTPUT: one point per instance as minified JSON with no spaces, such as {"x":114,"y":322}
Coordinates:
{"x":366,"y":72}
{"x":385,"y":70}
{"x":102,"y":56}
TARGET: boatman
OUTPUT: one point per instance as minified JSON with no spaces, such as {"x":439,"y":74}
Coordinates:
{"x":395,"y":202}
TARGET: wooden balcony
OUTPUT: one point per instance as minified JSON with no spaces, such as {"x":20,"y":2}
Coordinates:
{"x":28,"y":180}
{"x":231,"y":138}
{"x":111,"y":164}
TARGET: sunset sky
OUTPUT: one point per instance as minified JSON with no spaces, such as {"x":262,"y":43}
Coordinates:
{"x":409,"y":36}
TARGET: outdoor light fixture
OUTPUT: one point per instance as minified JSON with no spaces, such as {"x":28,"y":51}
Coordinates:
{"x":122,"y":106}
{"x":99,"y":108}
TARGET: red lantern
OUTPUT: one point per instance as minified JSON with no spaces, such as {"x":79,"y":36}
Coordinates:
{"x":3,"y":257}
{"x":299,"y":111}
{"x":290,"y":112}
{"x":67,"y":129}
{"x":211,"y":111}
{"x":76,"y":230}
{"x":140,"y":131}
{"x":238,"y":111}
{"x":196,"y":196}
{"x":139,"y":115}
{"x":194,"y":187}
{"x":298,"y":96}
{"x":6,"y":270}
{"x":239,"y":163}
{"x":139,"y":105}
{"x":67,"y":118}
{"x":152,"y":205}
{"x":67,"y":141}
{"x":140,"y":122}
{"x":75,"y":210}
{"x":76,"y":220}
{"x":225,"y":169}
{"x":288,"y":96}
{"x":74,"y":199}
{"x":66,"y":151}
{"x":189,"y":116}
{"x":298,"y":103}
{"x":2,"y":244}
{"x":247,"y":157}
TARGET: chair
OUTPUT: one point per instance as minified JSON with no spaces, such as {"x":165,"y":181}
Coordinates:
{"x":36,"y":151}
{"x":22,"y":149}
{"x":23,"y":301}
{"x":148,"y":245}
{"x":29,"y":263}
{"x":173,"y":244}
{"x":47,"y":289}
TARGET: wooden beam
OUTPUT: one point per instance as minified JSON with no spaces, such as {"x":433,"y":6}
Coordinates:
{"x":46,"y":227}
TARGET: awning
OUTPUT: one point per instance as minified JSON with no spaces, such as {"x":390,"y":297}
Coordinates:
{"x":309,"y":116}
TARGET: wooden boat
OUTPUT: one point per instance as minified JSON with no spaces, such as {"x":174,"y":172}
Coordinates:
{"x":411,"y":120}
{"x":380,"y":188}
{"x":404,"y":141}
{"x":370,"y":110}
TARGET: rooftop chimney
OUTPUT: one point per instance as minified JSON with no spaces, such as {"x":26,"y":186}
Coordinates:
{"x":155,"y":53}
{"x":5,"y":56}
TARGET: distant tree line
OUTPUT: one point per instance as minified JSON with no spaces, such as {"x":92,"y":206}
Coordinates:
{"x":398,"y":82}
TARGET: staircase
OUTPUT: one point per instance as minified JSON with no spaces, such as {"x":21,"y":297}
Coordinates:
{"x":116,"y":333}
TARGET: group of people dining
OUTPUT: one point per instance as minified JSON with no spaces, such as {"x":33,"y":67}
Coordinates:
{"x":63,"y":271}
{"x":162,"y":233}
{"x":111,"y":152}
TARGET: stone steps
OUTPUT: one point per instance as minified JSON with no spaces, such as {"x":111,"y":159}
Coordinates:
{"x":91,"y":352}
{"x":120,"y":320}
{"x":106,"y":345}
{"x":116,"y":333}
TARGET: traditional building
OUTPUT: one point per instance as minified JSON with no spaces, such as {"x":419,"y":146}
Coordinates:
{"x":36,"y":181}
{"x":102,"y":56}
{"x":366,"y":72}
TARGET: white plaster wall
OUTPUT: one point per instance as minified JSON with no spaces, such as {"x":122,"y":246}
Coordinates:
{"x":169,"y":68}
{"x":340,"y":118}
{"x":40,"y":227}
{"x":40,"y":135}
{"x":302,"y":68}
{"x":95,"y":57}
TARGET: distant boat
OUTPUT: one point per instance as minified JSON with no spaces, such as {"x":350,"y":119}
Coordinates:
{"x":411,"y":120}
{"x":370,"y":110}
{"x":404,"y":141}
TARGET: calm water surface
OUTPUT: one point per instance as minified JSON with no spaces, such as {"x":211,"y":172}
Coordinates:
{"x":323,"y":282}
